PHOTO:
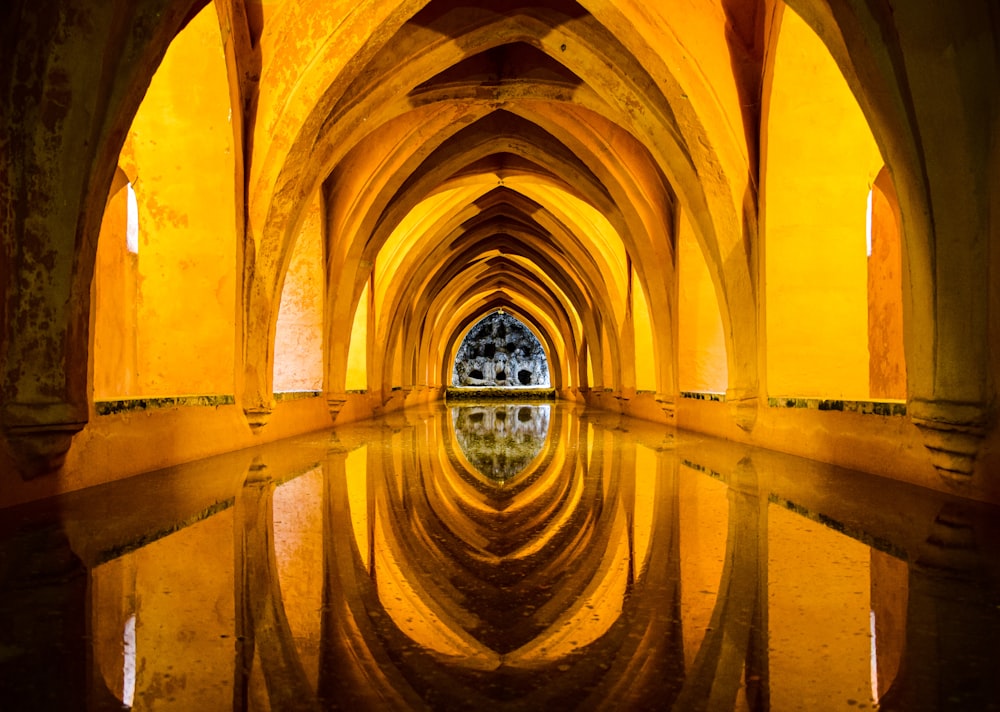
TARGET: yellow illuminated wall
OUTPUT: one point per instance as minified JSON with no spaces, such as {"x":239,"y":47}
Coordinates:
{"x":178,"y":151}
{"x":357,"y":356}
{"x":298,"y":342}
{"x":701,"y":343}
{"x":820,"y":161}
{"x":645,"y":353}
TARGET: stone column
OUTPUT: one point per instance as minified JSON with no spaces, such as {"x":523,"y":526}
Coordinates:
{"x":72,"y":82}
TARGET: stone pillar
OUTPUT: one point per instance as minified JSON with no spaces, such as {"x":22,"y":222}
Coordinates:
{"x":73,"y":81}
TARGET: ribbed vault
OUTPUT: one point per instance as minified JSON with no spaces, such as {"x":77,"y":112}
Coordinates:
{"x":554,"y":159}
{"x":472,"y":158}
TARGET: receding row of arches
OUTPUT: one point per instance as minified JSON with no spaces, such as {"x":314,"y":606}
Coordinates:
{"x":674,"y":203}
{"x":377,"y":302}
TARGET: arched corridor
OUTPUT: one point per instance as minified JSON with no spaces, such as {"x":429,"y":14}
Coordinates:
{"x":678,"y":209}
{"x":226,"y":223}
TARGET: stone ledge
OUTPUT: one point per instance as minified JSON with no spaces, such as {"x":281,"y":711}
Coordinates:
{"x":704,"y":396}
{"x":126,"y":405}
{"x":508,"y":394}
{"x":296,"y":395}
{"x":884,"y":408}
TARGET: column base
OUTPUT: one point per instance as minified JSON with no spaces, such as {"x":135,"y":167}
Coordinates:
{"x":257,"y":417}
{"x":743,"y":407}
{"x":41,"y":449}
{"x":953,"y":434}
{"x":335,"y":403}
{"x":39,"y":435}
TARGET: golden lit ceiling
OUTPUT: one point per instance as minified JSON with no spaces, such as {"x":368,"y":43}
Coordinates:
{"x":495,"y":155}
{"x":557,"y":160}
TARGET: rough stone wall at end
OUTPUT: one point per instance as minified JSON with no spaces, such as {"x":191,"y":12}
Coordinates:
{"x":500,"y":351}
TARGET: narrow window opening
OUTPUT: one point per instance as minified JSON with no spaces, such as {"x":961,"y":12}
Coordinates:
{"x":132,"y":222}
{"x":128,"y":676}
{"x":868,"y":225}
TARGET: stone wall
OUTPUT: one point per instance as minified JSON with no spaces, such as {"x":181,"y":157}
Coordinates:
{"x":500,"y":351}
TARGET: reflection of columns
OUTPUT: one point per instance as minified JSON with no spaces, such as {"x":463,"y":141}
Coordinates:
{"x":355,"y":671}
{"x":643,"y":654}
{"x":951,"y":658}
{"x":43,"y":622}
{"x":737,"y":635}
{"x":261,"y":623}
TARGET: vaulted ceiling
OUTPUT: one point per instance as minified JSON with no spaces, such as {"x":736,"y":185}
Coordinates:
{"x":531,"y":157}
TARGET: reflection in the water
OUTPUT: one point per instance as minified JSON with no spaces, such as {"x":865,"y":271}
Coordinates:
{"x":500,"y":440}
{"x":625,"y":567}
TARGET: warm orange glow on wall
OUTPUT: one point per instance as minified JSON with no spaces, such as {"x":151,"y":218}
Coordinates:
{"x":115,"y":291}
{"x":178,"y":153}
{"x":701,"y":343}
{"x":357,"y":357}
{"x":645,"y":351}
{"x":821,"y":160}
{"x":298,"y":341}
{"x":887,"y":370}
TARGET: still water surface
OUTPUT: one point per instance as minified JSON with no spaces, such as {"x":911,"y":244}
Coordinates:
{"x":501,"y":557}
